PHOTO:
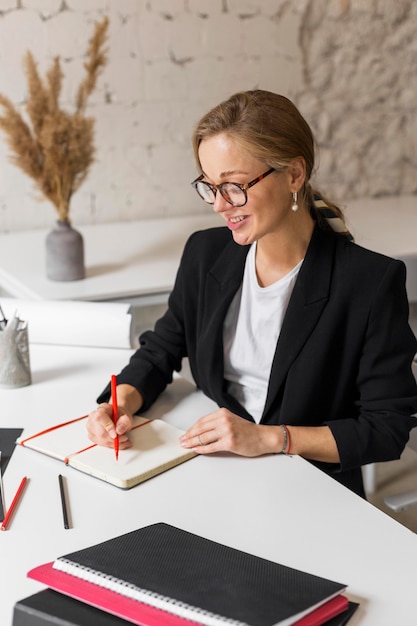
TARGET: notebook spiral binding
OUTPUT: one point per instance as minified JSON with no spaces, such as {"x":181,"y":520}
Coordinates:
{"x":143,"y":595}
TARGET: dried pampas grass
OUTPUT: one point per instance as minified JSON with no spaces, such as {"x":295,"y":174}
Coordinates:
{"x":55,"y":148}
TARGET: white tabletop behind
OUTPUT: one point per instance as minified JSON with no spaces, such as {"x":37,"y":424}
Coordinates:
{"x":123,"y":260}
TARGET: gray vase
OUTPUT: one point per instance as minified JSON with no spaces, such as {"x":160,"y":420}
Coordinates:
{"x":64,"y":253}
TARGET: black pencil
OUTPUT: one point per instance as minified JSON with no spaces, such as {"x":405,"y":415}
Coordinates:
{"x":3,"y":320}
{"x":63,"y":501}
{"x":2,"y":500}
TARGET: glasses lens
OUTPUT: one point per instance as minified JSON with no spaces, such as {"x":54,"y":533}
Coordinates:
{"x":233,"y":194}
{"x":205,"y":192}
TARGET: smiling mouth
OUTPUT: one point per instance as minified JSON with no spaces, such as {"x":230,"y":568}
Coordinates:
{"x":236,"y":220}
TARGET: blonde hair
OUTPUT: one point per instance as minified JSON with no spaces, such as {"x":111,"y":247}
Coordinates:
{"x":270,"y":128}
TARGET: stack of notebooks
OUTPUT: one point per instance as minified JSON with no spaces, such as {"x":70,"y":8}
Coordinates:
{"x":162,"y":575}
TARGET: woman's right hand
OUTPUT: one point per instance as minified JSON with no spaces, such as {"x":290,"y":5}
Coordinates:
{"x":100,"y":426}
{"x":102,"y":430}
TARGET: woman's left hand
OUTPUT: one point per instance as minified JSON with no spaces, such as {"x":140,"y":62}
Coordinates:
{"x":223,"y":431}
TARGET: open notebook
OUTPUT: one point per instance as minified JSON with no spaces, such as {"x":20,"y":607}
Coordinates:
{"x":155,"y":441}
{"x":161,"y":574}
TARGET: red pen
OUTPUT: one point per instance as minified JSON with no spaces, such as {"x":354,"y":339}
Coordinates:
{"x":115,"y":414}
{"x":13,"y":504}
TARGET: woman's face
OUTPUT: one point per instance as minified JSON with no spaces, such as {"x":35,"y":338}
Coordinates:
{"x":268,"y":209}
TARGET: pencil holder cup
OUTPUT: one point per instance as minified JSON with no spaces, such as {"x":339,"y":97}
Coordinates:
{"x":14,"y":355}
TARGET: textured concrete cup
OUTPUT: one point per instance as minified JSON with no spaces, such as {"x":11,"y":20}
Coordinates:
{"x":14,"y":355}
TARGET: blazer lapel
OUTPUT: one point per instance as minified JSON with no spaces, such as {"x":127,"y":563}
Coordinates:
{"x":309,"y":297}
{"x":223,"y":280}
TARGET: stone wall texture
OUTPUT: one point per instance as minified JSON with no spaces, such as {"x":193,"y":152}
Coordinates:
{"x":349,"y":65}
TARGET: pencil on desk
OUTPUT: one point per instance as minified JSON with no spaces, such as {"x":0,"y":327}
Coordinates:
{"x":2,"y":500}
{"x":63,"y":501}
{"x":13,"y":504}
{"x":3,"y":320}
{"x":115,"y":413}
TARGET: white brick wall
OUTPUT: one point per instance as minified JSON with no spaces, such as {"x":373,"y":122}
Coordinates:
{"x":349,"y":64}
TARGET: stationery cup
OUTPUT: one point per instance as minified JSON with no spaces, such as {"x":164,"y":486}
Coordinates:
{"x":14,"y":355}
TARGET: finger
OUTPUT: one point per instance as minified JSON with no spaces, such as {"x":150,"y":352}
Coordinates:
{"x":210,"y":421}
{"x":102,"y":433}
{"x":207,"y":438}
{"x":124,"y":423}
{"x":204,"y":424}
{"x":109,"y":426}
{"x":199,"y":440}
{"x":100,"y":423}
{"x":105,"y":418}
{"x":207,"y":448}
{"x":103,"y":413}
{"x":190,"y":439}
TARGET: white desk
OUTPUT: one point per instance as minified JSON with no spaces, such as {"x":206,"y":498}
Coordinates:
{"x":131,"y":261}
{"x":277,"y":507}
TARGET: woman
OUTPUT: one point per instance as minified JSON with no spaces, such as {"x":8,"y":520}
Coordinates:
{"x":299,"y":335}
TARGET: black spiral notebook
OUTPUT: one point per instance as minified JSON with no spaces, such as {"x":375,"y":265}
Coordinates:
{"x":188,"y":577}
{"x":49,"y":608}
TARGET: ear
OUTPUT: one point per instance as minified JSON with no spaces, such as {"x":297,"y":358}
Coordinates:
{"x":297,"y":173}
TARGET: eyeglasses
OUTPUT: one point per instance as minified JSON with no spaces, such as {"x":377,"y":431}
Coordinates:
{"x":234,"y":193}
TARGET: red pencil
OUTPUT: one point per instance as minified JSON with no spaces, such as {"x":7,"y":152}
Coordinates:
{"x":115,"y":413}
{"x":13,"y":504}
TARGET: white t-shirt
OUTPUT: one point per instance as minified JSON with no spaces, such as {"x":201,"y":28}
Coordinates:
{"x":250,"y":334}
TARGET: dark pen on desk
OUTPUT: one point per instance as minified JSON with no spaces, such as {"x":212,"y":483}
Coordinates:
{"x":115,"y":413}
{"x":2,"y":500}
{"x":63,"y":501}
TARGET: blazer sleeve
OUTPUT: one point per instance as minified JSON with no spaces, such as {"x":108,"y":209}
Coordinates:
{"x":387,"y":391}
{"x":150,"y":369}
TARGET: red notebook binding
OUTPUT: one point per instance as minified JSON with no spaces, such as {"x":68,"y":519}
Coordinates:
{"x":143,"y":614}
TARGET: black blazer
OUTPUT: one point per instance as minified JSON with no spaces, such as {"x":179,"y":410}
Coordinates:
{"x":343,"y":357}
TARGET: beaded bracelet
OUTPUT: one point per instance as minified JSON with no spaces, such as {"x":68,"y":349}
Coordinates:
{"x":287,"y":439}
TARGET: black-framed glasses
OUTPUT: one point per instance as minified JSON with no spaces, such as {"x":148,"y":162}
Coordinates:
{"x":234,"y":193}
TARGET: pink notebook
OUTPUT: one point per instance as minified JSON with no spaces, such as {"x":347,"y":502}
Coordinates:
{"x":104,"y":599}
{"x":143,"y":614}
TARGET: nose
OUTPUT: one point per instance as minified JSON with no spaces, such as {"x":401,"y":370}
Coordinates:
{"x":220,"y":204}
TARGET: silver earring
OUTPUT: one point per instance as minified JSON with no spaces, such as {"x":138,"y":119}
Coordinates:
{"x":294,"y":205}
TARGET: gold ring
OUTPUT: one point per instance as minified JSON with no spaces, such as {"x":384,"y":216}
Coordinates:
{"x":199,"y":440}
